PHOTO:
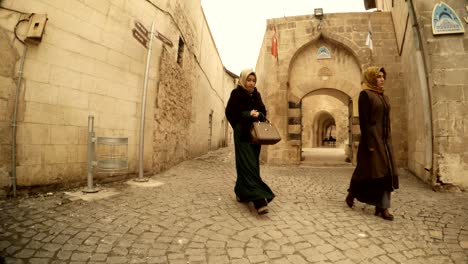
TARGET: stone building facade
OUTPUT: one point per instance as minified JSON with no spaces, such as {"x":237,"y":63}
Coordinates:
{"x":89,"y":63}
{"x":426,"y":82}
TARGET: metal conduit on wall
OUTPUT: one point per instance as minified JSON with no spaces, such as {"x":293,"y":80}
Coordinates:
{"x":14,"y":121}
{"x":15,"y":111}
{"x":34,"y":35}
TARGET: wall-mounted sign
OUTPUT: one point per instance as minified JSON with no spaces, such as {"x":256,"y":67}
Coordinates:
{"x":445,"y":20}
{"x":323,"y":53}
{"x":142,"y":34}
{"x":466,"y":18}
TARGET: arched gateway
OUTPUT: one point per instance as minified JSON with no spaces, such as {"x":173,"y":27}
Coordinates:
{"x":318,"y":71}
{"x":324,"y":67}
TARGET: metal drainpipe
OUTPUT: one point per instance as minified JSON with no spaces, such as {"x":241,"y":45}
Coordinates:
{"x":13,"y":124}
{"x":425,"y":91}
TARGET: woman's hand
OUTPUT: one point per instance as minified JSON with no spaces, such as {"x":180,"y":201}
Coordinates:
{"x":254,"y":113}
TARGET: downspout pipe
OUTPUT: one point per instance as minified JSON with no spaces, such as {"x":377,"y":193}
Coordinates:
{"x":15,"y":111}
{"x":425,"y":92}
{"x":14,"y":121}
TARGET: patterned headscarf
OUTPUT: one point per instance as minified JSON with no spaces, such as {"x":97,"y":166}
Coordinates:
{"x":369,"y":78}
{"x":243,"y":77}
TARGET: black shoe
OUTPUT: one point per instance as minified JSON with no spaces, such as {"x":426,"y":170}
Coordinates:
{"x":239,"y":200}
{"x":262,"y":210}
{"x":261,"y":206}
{"x":384,"y":213}
{"x":350,"y":200}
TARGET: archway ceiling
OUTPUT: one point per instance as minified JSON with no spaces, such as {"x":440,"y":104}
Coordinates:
{"x":322,"y":116}
{"x":338,"y":94}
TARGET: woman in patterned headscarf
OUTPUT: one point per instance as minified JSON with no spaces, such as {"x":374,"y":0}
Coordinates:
{"x":375,"y":176}
{"x":243,"y":108}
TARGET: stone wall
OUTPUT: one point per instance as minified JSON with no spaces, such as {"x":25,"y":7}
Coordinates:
{"x":444,"y":62}
{"x":172,"y":116}
{"x":88,"y":63}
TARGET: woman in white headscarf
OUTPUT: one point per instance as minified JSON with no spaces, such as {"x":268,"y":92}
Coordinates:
{"x":243,"y":108}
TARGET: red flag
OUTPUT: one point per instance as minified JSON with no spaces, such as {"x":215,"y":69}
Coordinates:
{"x":274,"y":44}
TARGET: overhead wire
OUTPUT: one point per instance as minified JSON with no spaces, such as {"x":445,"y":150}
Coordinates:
{"x":13,"y":10}
{"x":16,"y":27}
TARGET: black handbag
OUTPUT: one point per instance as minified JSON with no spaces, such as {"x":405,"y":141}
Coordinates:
{"x":264,"y":133}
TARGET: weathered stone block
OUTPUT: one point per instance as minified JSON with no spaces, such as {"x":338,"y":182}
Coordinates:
{"x":41,"y":92}
{"x":441,"y":128}
{"x":5,"y":133}
{"x":36,"y":71}
{"x":294,"y":112}
{"x":5,"y":155}
{"x":100,"y":6}
{"x":29,"y":175}
{"x":8,"y":54}
{"x":42,"y":113}
{"x":447,"y":93}
{"x":73,"y":98}
{"x":30,"y":155}
{"x":75,"y":117}
{"x":33,"y":134}
{"x":64,"y":135}
{"x":54,"y":154}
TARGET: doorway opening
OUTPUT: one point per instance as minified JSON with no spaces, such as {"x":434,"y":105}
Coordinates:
{"x":325,"y":128}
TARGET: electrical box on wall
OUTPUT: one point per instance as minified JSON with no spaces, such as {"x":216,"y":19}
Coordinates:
{"x":36,"y":28}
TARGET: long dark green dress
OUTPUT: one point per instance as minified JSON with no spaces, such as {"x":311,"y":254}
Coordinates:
{"x":249,"y":184}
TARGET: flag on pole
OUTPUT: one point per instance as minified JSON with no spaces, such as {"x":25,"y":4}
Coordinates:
{"x":274,"y":44}
{"x":369,"y":37}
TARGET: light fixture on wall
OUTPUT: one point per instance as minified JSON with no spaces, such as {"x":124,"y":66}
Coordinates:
{"x":318,"y":13}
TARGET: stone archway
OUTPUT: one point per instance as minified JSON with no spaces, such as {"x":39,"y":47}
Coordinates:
{"x":322,"y":67}
{"x":309,"y":59}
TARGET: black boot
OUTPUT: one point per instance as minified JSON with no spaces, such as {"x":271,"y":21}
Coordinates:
{"x":350,"y":200}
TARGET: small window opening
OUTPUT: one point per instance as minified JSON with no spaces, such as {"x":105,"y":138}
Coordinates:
{"x":180,"y":52}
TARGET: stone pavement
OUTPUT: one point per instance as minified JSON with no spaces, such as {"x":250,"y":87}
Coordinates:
{"x":194,"y":218}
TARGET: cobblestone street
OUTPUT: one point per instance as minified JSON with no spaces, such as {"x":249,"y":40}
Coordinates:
{"x":194,"y":218}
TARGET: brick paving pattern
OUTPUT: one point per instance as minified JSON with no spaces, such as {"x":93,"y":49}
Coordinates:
{"x":194,"y":218}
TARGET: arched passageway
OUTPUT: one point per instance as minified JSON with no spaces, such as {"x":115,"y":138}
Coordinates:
{"x":323,"y":132}
{"x":325,"y":124}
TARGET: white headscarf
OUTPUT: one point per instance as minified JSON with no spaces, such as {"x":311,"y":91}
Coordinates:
{"x":243,"y":78}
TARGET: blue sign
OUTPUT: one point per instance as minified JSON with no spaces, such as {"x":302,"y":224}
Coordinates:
{"x":445,"y":20}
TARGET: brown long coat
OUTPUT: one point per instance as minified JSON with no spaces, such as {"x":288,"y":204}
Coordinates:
{"x":374,"y":121}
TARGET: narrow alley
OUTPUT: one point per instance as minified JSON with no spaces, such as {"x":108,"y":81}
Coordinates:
{"x":193,"y":217}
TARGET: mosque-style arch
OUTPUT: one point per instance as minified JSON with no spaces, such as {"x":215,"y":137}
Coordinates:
{"x":338,"y":76}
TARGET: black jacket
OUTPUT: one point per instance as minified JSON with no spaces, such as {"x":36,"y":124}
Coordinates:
{"x":238,"y":110}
